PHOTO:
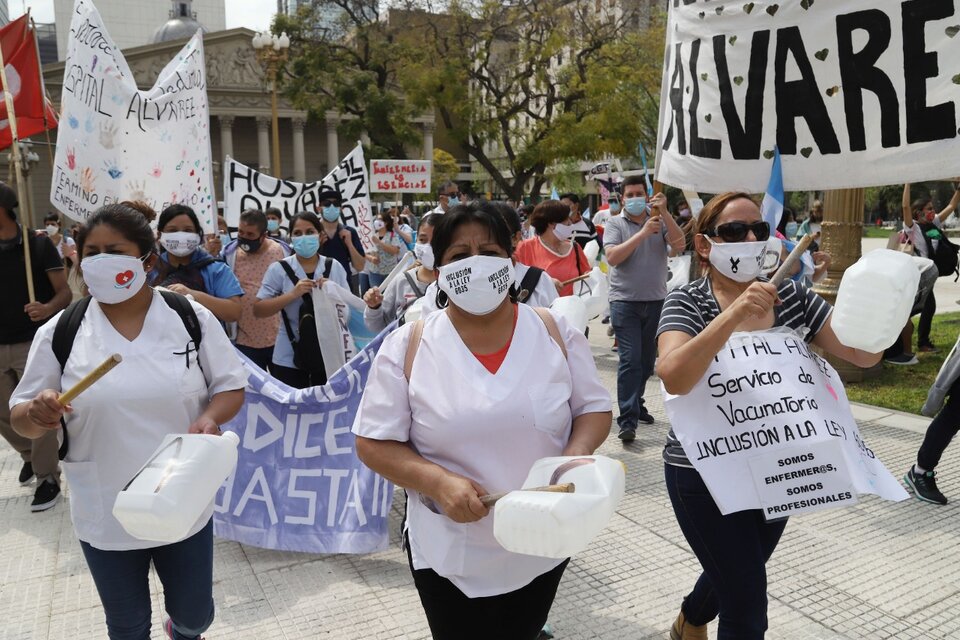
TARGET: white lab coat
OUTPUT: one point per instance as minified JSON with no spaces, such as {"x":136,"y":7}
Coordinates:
{"x":118,"y":422}
{"x":488,"y":427}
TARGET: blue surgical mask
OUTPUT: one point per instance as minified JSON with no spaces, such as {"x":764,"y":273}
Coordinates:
{"x":331,"y":213}
{"x":790,"y":229}
{"x":224,"y":239}
{"x":306,"y":246}
{"x":453,"y":201}
{"x":614,"y":207}
{"x":273,"y":225}
{"x":636,"y":206}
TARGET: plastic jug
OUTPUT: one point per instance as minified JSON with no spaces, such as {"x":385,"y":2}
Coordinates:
{"x":592,"y":250}
{"x":574,"y":311}
{"x":558,"y":525}
{"x":179,"y":481}
{"x":593,"y":292}
{"x":874,"y":300}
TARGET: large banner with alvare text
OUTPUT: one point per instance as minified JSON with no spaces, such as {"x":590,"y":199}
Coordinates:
{"x":769,"y":427}
{"x":852,"y":93}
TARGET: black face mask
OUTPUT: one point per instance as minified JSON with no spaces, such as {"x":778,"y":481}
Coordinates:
{"x":250,"y":246}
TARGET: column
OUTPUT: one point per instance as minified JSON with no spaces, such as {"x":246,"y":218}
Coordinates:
{"x":428,"y":129}
{"x":841,"y":237}
{"x":299,"y":154}
{"x":333,"y":144}
{"x":263,"y":143}
{"x":226,"y":136}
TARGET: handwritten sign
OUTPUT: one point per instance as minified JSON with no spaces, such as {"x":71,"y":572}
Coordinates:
{"x":854,"y":94}
{"x":119,"y":143}
{"x":767,"y":395}
{"x":400,"y":176}
{"x":246,"y":188}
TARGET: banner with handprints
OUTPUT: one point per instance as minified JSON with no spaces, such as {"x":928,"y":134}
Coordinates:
{"x":119,"y":143}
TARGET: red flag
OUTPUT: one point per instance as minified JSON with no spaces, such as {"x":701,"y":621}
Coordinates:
{"x":22,"y":66}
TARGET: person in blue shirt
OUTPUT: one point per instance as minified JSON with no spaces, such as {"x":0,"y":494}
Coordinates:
{"x":339,"y":241}
{"x":186,"y":268}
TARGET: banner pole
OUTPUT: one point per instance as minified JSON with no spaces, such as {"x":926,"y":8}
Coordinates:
{"x":18,"y":170}
{"x":43,"y":90}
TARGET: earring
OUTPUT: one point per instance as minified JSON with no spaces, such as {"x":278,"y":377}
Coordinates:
{"x":442,"y":299}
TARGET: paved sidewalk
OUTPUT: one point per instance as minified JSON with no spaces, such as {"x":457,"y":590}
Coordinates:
{"x":877,"y":570}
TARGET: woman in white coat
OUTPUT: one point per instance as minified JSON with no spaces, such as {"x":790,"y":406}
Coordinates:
{"x":518,"y":386}
{"x":166,"y":383}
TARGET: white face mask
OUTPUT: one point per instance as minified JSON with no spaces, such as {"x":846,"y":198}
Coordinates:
{"x":52,"y":229}
{"x":771,"y":256}
{"x":424,"y":253}
{"x":113,"y":278}
{"x":739,"y":261}
{"x":477,"y":284}
{"x":378,"y":224}
{"x":180,"y":243}
{"x":563,"y":231}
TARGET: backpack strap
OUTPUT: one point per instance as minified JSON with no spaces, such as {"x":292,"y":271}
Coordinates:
{"x":413,"y":285}
{"x":184,"y":309}
{"x":68,"y":324}
{"x":578,"y":252}
{"x":416,"y":334}
{"x":283,"y":314}
{"x":327,"y":266}
{"x":529,"y":283}
{"x":289,"y":270}
{"x":552,"y":328}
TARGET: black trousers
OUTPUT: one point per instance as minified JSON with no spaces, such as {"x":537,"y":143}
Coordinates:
{"x":926,"y":320}
{"x":297,"y":378}
{"x":518,"y":615}
{"x":941,"y":431}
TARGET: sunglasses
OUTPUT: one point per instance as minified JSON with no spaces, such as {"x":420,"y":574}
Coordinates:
{"x":737,"y":231}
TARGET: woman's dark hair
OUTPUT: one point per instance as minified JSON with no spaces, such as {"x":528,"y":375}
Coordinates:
{"x":52,"y":217}
{"x":786,"y":217}
{"x":462,"y":214}
{"x":507,"y":213}
{"x":175,"y":210}
{"x":429,"y":220}
{"x":387,"y":219}
{"x":309,"y":216}
{"x":918,"y":206}
{"x":546,"y":213}
{"x":127,"y":221}
{"x":527,"y":210}
{"x":142,"y":207}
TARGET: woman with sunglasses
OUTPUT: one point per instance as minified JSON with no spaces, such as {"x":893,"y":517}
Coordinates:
{"x":697,"y":320}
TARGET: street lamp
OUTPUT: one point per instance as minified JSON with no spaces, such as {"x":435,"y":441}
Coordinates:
{"x":272,"y":51}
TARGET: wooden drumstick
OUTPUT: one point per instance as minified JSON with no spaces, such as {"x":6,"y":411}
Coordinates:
{"x":802,"y":245}
{"x":566,"y":487}
{"x":89,"y":379}
{"x":577,"y":279}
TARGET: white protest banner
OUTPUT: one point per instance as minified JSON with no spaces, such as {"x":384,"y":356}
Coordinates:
{"x":118,"y":143}
{"x":246,"y":188}
{"x":400,"y":176}
{"x":767,"y":394}
{"x":853,"y":94}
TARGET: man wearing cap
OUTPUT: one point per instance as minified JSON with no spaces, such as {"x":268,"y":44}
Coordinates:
{"x":19,"y":321}
{"x":338,"y":241}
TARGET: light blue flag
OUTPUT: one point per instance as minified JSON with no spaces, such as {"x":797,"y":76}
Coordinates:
{"x":646,"y":170}
{"x":772,"y":205}
{"x":554,"y":194}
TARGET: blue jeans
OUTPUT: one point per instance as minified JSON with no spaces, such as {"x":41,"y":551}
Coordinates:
{"x":185,"y":569}
{"x":635,"y":326}
{"x":733,"y":550}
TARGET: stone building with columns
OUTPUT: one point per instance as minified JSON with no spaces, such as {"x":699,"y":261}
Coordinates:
{"x":240,"y":116}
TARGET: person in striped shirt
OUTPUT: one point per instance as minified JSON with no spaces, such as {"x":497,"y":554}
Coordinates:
{"x":696,"y":322}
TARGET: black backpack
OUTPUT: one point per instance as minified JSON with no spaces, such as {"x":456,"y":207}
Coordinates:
{"x":189,"y":275}
{"x":944,"y":255}
{"x":307,"y":355}
{"x":68,"y":324}
{"x":530,"y":280}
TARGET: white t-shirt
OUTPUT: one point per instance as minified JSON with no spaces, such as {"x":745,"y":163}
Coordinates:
{"x":118,"y":423}
{"x":487,"y":427}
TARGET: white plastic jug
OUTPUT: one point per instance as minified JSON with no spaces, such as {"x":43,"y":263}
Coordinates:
{"x":874,"y":300}
{"x":559,"y":525}
{"x":593,"y":292}
{"x":592,"y":251}
{"x":574,"y":311}
{"x":172,"y":490}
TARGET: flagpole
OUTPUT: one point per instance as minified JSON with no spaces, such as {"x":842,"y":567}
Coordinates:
{"x":15,"y":153}
{"x":43,"y":90}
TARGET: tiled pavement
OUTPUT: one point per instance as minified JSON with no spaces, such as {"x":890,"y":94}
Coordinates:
{"x":877,"y":570}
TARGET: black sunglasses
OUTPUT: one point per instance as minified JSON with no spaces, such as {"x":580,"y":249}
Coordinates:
{"x":737,"y":231}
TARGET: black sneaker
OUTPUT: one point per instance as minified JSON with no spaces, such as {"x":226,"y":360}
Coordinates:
{"x":645,"y":417}
{"x":47,"y":494}
{"x":925,"y":486}
{"x":26,"y":474}
{"x":627,"y":435}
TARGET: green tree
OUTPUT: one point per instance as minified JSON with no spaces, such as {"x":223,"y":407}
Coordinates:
{"x":524,"y":85}
{"x":350,"y":67}
{"x":445,"y":168}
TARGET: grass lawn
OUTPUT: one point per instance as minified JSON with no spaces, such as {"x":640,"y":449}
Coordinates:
{"x":876,"y":232}
{"x":905,"y":388}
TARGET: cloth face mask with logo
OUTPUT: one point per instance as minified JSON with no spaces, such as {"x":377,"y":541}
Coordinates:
{"x":113,"y":278}
{"x":477,"y":284}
